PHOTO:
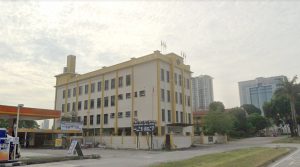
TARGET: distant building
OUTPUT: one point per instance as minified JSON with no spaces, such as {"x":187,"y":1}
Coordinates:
{"x":202,"y":93}
{"x":45,"y":124}
{"x":259,"y":90}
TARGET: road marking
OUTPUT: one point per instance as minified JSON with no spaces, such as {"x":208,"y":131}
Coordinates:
{"x":288,"y":157}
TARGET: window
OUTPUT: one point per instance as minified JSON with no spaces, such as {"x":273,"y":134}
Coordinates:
{"x":80,"y":90}
{"x":181,"y":117}
{"x":84,"y":120}
{"x":106,"y":84}
{"x":187,"y":83}
{"x":105,"y":101}
{"x":86,"y":89}
{"x":64,"y":93}
{"x":91,"y":119}
{"x":190,"y":120}
{"x":169,"y":115}
{"x":92,"y":104}
{"x":127,"y":114}
{"x":135,"y":113}
{"x":175,"y":78}
{"x":179,"y":77}
{"x":112,"y":115}
{"x":112,"y":84}
{"x":163,"y":115}
{"x":120,"y":81}
{"x":105,"y":118}
{"x":63,"y":108}
{"x":168,"y":76}
{"x":189,"y":101}
{"x":162,"y":74}
{"x":120,"y":96}
{"x":79,"y":119}
{"x":112,"y":101}
{"x":85,"y":104}
{"x":128,"y":95}
{"x":73,"y":106}
{"x":176,"y":97}
{"x":120,"y":114}
{"x":142,"y":93}
{"x":176,"y":116}
{"x":74,"y":92}
{"x":98,"y":102}
{"x":180,"y":98}
{"x":162,"y":95}
{"x":128,"y":80}
{"x":69,"y":93}
{"x":79,"y":105}
{"x":68,"y":107}
{"x":99,"y":86}
{"x":98,"y":119}
{"x":168,"y":96}
{"x":135,"y":94}
{"x":93,"y":87}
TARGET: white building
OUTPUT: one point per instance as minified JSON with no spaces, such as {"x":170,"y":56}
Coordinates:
{"x":259,"y":90}
{"x":108,"y":100}
{"x":45,"y":124}
{"x":203,"y":93}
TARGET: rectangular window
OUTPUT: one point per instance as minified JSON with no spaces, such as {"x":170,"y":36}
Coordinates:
{"x":98,"y":102}
{"x":169,"y":115}
{"x":105,"y":118}
{"x":120,"y":114}
{"x":190,"y":120}
{"x":187,"y":83}
{"x":91,"y":119}
{"x":64,"y":93}
{"x":128,"y":95}
{"x":93,"y":87}
{"x":112,"y":101}
{"x":181,"y":117}
{"x":120,"y":96}
{"x":180,"y":98}
{"x":177,"y":116}
{"x":86,"y":89}
{"x":112,"y":115}
{"x":168,"y":96}
{"x":120,"y":81}
{"x":73,"y":106}
{"x":80,"y":90}
{"x":79,"y":119}
{"x":99,"y":86}
{"x":176,"y":97}
{"x":105,"y":101}
{"x":135,"y":113}
{"x":180,"y":80}
{"x":163,"y":115}
{"x":98,"y":119}
{"x":189,"y":101}
{"x":175,"y":78}
{"x":127,"y":114}
{"x":69,"y":93}
{"x":85,"y":104}
{"x":92,"y":104}
{"x":63,"y":108}
{"x":162,"y":95}
{"x":135,"y":94}
{"x":84,"y":120}
{"x":68,"y":107}
{"x":106,"y":83}
{"x":162,"y":74}
{"x":128,"y":80}
{"x":79,"y":105}
{"x":168,"y":76}
{"x":74,"y":92}
{"x":142,"y":93}
{"x":112,"y":83}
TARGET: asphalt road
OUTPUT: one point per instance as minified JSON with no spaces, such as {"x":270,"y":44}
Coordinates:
{"x":138,"y":158}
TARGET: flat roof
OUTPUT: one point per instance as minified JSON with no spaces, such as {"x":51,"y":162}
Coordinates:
{"x":26,"y":113}
{"x":47,"y":131}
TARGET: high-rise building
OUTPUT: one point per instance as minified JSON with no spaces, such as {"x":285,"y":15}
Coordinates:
{"x":259,"y":90}
{"x":202,"y":91}
{"x":153,"y":87}
{"x":45,"y":124}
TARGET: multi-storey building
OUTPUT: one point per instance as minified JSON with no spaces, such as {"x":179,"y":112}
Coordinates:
{"x":259,"y":90}
{"x":203,"y":93}
{"x":153,"y":87}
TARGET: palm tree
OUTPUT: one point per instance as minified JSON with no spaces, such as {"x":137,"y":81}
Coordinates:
{"x":290,"y":89}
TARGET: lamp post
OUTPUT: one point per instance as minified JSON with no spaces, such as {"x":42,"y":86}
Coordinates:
{"x":17,"y":126}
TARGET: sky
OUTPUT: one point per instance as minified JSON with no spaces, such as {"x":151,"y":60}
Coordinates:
{"x":229,"y":40}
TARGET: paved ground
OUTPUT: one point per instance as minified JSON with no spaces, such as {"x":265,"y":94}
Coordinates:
{"x":292,"y":160}
{"x":137,"y":158}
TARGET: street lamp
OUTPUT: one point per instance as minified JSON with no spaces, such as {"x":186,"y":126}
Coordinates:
{"x":18,"y":115}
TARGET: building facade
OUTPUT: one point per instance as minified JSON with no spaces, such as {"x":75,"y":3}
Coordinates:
{"x":45,"y":124}
{"x":203,"y":93}
{"x":153,"y":87}
{"x":259,"y":90}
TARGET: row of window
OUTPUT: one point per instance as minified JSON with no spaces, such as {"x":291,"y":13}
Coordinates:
{"x":177,"y":80}
{"x":142,"y":93}
{"x":98,"y":117}
{"x":187,"y":98}
{"x":163,"y":116}
{"x":106,"y":86}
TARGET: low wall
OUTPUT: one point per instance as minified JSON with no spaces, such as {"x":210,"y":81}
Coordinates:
{"x":209,"y":139}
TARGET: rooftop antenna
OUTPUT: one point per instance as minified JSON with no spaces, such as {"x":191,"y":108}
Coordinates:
{"x":163,"y":46}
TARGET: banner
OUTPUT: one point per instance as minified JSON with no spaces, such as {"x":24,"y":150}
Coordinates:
{"x":71,"y":126}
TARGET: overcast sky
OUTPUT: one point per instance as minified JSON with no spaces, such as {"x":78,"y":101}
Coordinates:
{"x":229,"y":40}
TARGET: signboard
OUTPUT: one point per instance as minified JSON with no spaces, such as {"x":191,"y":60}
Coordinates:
{"x":75,"y":146}
{"x":71,"y":126}
{"x":4,"y":149}
{"x":144,"y":126}
{"x":58,"y":142}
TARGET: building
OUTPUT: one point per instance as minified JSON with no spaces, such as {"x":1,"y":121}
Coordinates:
{"x":45,"y":124}
{"x":259,"y":90}
{"x":203,"y":93}
{"x":152,"y":87}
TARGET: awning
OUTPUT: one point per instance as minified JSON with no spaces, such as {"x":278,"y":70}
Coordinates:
{"x":48,"y":131}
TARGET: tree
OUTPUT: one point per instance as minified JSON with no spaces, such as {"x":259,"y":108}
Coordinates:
{"x":217,"y":106}
{"x":3,"y":123}
{"x":258,"y":122}
{"x":250,"y":109}
{"x":22,"y":124}
{"x":217,"y":122}
{"x":290,"y":89}
{"x":241,"y":126}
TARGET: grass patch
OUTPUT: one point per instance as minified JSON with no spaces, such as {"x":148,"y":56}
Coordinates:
{"x":288,"y":140}
{"x":251,"y":157}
